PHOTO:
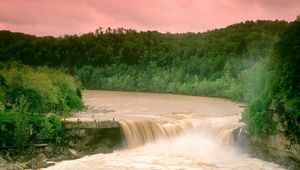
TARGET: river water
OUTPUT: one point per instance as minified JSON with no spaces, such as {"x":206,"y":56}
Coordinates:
{"x":164,"y":131}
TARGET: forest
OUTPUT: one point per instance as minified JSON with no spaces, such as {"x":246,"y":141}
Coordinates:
{"x":256,"y":62}
{"x":32,"y":103}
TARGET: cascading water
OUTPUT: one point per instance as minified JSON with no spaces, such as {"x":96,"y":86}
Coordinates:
{"x":200,"y":136}
{"x":186,"y":144}
{"x":138,"y":133}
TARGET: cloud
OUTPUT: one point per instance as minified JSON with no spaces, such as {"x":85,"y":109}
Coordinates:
{"x":56,"y":17}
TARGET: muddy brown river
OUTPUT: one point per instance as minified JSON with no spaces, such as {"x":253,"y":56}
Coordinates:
{"x":165,"y":131}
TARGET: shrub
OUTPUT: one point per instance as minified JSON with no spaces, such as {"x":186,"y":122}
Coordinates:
{"x":45,"y":89}
{"x":21,"y":132}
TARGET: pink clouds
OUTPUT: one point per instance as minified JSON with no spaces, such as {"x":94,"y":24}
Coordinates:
{"x":59,"y":17}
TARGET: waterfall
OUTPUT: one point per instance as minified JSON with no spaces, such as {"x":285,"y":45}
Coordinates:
{"x":170,"y":132}
{"x":139,"y":132}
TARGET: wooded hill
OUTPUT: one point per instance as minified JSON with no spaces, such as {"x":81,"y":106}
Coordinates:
{"x":249,"y":61}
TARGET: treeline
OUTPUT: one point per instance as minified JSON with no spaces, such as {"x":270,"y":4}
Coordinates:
{"x":246,"y":41}
{"x":152,"y":78}
{"x":26,"y":95}
{"x":243,"y":61}
{"x":263,"y":72}
{"x":274,"y":105}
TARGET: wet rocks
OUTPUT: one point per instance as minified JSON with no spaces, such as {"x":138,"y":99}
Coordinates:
{"x":242,"y":138}
{"x":39,"y":162}
{"x":73,"y":154}
{"x":270,"y":148}
{"x":16,"y":166}
{"x":7,"y":165}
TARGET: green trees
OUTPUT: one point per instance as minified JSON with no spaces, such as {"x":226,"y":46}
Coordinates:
{"x":212,"y":49}
{"x":27,"y":95}
{"x":272,"y":89}
{"x":285,"y":88}
{"x":21,"y":132}
{"x":239,"y":62}
{"x":153,"y":78}
{"x":256,"y":95}
{"x":45,"y":89}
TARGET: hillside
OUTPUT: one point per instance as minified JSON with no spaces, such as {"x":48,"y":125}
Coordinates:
{"x":235,"y":62}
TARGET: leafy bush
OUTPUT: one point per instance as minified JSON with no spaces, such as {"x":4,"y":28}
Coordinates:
{"x":51,"y":130}
{"x":46,"y":132}
{"x":261,"y":123}
{"x":21,"y":131}
{"x":32,"y":96}
{"x":45,"y":89}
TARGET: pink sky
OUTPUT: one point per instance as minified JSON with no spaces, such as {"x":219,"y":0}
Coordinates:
{"x":59,"y":17}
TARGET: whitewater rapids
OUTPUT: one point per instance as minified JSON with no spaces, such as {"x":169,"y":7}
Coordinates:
{"x":164,"y":131}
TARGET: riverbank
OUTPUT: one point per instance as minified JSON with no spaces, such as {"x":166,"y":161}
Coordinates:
{"x":98,"y":131}
{"x":84,"y":138}
{"x":104,"y":106}
{"x":150,"y":119}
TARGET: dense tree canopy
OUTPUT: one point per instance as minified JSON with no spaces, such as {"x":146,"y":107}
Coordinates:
{"x":251,"y":40}
{"x":26,"y":95}
{"x":238,"y":62}
{"x":274,"y":98}
{"x":286,"y":88}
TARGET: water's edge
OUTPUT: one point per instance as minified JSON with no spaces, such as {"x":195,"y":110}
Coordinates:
{"x":109,"y":136}
{"x":271,"y":148}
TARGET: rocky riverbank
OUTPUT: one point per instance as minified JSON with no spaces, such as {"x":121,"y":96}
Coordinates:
{"x":84,"y":139}
{"x":47,"y":157}
{"x":272,"y":148}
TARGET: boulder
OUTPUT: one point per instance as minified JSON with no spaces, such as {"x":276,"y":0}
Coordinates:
{"x":23,"y":165}
{"x":14,"y":167}
{"x":242,"y":138}
{"x":4,"y":164}
{"x":73,"y":154}
{"x":38,"y":162}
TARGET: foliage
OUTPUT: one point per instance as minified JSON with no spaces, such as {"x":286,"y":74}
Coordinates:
{"x":45,"y":89}
{"x":239,"y":62}
{"x":2,"y":107}
{"x":21,"y":132}
{"x":210,"y":50}
{"x":256,"y":114}
{"x":26,"y":94}
{"x":46,"y":132}
{"x":286,"y":90}
{"x":51,"y":130}
{"x":273,"y":91}
{"x":155,"y":79}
